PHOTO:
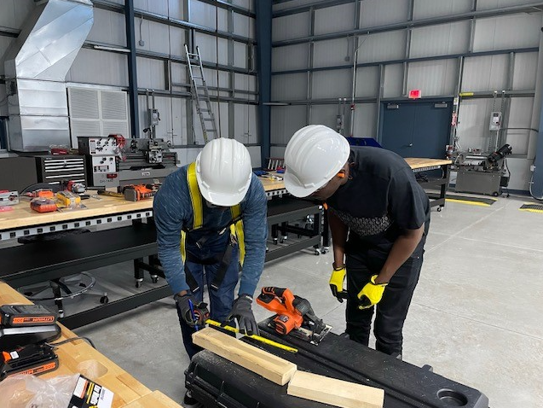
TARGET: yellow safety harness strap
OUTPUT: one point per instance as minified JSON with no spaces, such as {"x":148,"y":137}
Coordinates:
{"x":195,"y":197}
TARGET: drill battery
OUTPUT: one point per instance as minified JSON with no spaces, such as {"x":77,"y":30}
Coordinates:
{"x":26,"y":315}
{"x":139,"y":192}
{"x":43,"y":205}
{"x":31,"y":359}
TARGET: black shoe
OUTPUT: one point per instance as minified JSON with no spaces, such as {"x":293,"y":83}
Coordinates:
{"x":189,"y":402}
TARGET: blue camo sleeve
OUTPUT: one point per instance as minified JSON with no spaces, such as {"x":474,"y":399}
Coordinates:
{"x":170,"y":213}
{"x":255,"y":228}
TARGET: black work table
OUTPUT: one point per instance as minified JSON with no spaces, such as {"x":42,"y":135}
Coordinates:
{"x":218,"y":382}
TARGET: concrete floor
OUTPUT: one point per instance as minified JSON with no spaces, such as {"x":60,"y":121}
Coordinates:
{"x":476,"y":314}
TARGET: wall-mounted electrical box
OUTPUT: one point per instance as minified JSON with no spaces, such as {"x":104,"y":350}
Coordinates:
{"x":154,"y":117}
{"x":495,"y":121}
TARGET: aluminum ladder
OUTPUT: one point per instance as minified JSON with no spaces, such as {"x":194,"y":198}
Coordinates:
{"x":200,"y":94}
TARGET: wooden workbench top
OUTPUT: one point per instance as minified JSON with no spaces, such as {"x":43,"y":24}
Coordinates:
{"x":23,"y":216}
{"x":80,"y":357}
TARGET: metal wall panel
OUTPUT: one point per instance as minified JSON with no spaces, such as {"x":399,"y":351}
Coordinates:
{"x":155,"y":36}
{"x":243,"y":25}
{"x":246,"y":4}
{"x":332,"y":84}
{"x":240,"y":53}
{"x":277,"y":151}
{"x":333,"y":52}
{"x":155,"y":6}
{"x":520,"y":173}
{"x":177,"y":42}
{"x":15,"y":12}
{"x":520,"y":117}
{"x":289,"y":87}
{"x":291,"y":57}
{"x":364,"y":120}
{"x":380,"y":12}
{"x":211,"y":78}
{"x":171,"y":126}
{"x":485,"y":73}
{"x":245,"y":124}
{"x":5,"y":42}
{"x":435,"y":8}
{"x":187,"y":155}
{"x":89,"y":67}
{"x":151,"y":73}
{"x":291,"y":4}
{"x":524,"y":73}
{"x":433,"y":77}
{"x":292,"y":26}
{"x":179,"y":74}
{"x":108,"y":27}
{"x":256,"y":155}
{"x":325,"y":115}
{"x":177,"y":9}
{"x":335,"y":19}
{"x":443,"y":39}
{"x":493,"y":4}
{"x":205,"y":14}
{"x":473,"y":120}
{"x":367,"y":81}
{"x":512,"y":31}
{"x":245,"y":82}
{"x":208,"y":48}
{"x":285,"y":121}
{"x":393,"y":81}
{"x":382,"y":46}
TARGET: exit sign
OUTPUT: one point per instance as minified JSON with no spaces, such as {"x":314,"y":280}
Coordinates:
{"x":415,"y":94}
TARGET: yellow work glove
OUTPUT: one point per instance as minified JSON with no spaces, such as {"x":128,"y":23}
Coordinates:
{"x":336,"y":283}
{"x":371,"y":293}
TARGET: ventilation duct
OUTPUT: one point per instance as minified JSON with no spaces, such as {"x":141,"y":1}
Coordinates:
{"x":36,"y":66}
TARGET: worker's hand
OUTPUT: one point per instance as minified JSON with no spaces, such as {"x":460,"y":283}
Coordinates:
{"x":241,"y":310}
{"x":336,"y":283}
{"x":371,"y":293}
{"x":193,"y":313}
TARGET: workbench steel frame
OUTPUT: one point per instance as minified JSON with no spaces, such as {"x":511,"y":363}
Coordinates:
{"x":139,"y":245}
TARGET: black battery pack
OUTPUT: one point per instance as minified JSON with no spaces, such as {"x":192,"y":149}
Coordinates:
{"x":26,"y":315}
{"x":33,"y":359}
{"x":217,"y":382}
{"x":13,"y":337}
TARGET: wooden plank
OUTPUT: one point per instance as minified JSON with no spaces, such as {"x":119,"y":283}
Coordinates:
{"x":415,"y":163}
{"x":252,"y":358}
{"x":154,"y":400}
{"x":334,"y":392}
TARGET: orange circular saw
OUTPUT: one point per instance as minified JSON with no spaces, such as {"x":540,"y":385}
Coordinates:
{"x":294,"y":314}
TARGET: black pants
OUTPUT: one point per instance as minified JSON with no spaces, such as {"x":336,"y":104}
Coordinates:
{"x":391,"y":310}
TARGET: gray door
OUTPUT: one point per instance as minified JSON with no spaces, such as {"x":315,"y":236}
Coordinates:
{"x":417,"y":129}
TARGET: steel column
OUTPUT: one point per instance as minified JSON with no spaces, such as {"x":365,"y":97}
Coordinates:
{"x":263,"y":58}
{"x":132,"y":68}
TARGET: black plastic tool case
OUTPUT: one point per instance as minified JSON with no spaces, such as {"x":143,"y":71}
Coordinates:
{"x":217,"y":382}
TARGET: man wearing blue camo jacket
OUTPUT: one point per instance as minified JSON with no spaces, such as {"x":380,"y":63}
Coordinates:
{"x":213,"y":210}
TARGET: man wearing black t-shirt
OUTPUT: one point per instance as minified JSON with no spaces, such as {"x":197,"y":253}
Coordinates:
{"x":379,"y":218}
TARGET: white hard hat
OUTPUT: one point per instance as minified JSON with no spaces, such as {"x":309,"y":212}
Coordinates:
{"x":314,"y":155}
{"x":223,"y":171}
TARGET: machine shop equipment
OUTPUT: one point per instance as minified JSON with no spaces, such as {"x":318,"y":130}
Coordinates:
{"x":114,"y":161}
{"x":482,"y":174}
